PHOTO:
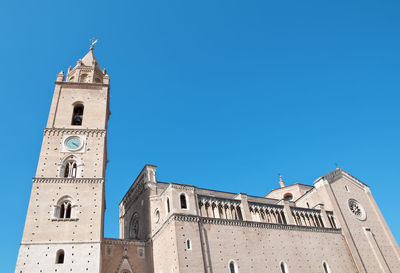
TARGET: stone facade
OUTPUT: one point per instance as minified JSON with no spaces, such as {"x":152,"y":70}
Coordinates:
{"x":332,"y":226}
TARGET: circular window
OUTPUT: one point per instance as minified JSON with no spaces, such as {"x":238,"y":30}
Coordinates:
{"x":288,"y":196}
{"x":357,"y":209}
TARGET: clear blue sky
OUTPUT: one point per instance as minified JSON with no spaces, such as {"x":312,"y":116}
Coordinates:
{"x":218,"y":94}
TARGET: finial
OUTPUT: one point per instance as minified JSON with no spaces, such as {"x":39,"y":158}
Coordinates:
{"x":93,"y":42}
{"x":281,"y":182}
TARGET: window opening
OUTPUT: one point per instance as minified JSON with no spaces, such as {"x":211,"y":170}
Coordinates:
{"x":288,"y":196}
{"x":188,"y":244}
{"x":65,"y":210}
{"x":60,"y":257}
{"x":232,"y":267}
{"x":183,"y":201}
{"x":77,"y":115}
{"x":326,"y":268}
{"x":283,"y":267}
{"x":168,"y":209}
{"x":70,"y":169}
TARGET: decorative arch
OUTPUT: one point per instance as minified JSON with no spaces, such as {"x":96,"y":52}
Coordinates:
{"x":70,"y":167}
{"x":65,"y":208}
{"x":84,"y":78}
{"x":134,"y":227}
{"x":124,"y":265}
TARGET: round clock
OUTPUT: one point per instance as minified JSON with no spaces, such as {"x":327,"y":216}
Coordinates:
{"x":73,"y":143}
{"x":357,"y":209}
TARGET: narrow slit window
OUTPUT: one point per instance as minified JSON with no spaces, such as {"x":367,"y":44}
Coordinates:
{"x":188,"y":244}
{"x":283,"y":267}
{"x":168,"y":209}
{"x":326,"y":267}
{"x":77,"y":116}
{"x":232,"y":267}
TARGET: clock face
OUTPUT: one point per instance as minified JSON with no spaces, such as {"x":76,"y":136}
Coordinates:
{"x":73,"y":143}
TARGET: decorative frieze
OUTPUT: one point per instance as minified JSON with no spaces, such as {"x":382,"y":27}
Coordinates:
{"x":68,"y":180}
{"x":63,"y":131}
{"x":227,"y":222}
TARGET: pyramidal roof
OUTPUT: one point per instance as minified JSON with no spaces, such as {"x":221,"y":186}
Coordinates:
{"x":89,"y":58}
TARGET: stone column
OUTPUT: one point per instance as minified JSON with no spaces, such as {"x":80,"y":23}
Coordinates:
{"x":288,"y":213}
{"x":244,"y":206}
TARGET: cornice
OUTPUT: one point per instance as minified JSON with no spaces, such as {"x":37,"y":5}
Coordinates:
{"x":339,"y":173}
{"x":77,"y":131}
{"x":241,"y":223}
{"x":68,"y":180}
{"x":181,"y":187}
{"x":112,"y":241}
{"x":82,"y":85}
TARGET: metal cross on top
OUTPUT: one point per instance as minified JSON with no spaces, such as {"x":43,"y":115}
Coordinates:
{"x":93,"y":42}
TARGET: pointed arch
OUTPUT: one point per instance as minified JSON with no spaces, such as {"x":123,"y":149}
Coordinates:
{"x":65,"y":208}
{"x":134,"y":227}
{"x":70,"y":167}
{"x":124,"y":266}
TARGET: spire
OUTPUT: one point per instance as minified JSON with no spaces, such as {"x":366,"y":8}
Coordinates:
{"x":88,"y":70}
{"x":90,"y":59}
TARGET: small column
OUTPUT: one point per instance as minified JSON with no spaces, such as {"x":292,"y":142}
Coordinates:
{"x":216,"y":211}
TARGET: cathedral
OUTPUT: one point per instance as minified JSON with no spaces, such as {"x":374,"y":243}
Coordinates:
{"x":331,"y":226}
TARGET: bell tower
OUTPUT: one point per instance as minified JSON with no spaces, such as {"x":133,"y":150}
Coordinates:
{"x":64,"y":223}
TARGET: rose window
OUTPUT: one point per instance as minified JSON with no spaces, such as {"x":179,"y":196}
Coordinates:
{"x":357,"y":209}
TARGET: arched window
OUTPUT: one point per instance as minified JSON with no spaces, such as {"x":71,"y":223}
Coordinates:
{"x":70,"y":169}
{"x":288,"y":196}
{"x":64,"y":209}
{"x":77,"y":115}
{"x":183,"y":201}
{"x":134,"y":227}
{"x":168,"y":209}
{"x":60,"y":256}
{"x":326,"y":267}
{"x":84,"y":78}
{"x":283,"y":268}
{"x":232,"y":267}
{"x":188,"y":244}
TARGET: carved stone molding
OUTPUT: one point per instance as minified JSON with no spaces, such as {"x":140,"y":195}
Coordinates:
{"x":182,"y":187}
{"x":82,"y":85}
{"x":111,"y":241}
{"x":73,"y":131}
{"x":68,"y":180}
{"x":226,"y":222}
